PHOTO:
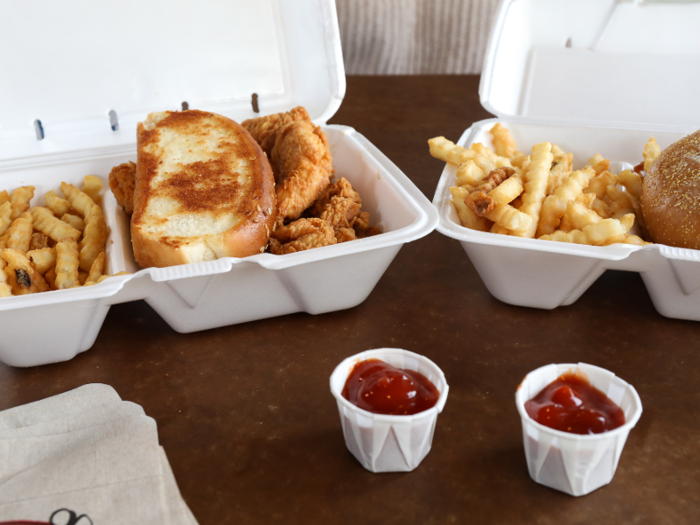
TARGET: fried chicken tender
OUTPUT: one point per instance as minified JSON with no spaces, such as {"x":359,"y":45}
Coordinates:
{"x":122,"y":180}
{"x":303,"y":166}
{"x":302,"y":234}
{"x":265,"y":129}
{"x":362,"y":227}
{"x":339,"y":204}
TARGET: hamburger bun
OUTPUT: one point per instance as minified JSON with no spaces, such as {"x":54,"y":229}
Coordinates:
{"x":671,"y":195}
{"x":203,"y":190}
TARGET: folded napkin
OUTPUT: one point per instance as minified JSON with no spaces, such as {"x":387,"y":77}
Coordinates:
{"x":84,"y":457}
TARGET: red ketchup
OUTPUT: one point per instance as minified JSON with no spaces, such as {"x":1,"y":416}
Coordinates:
{"x":571,"y":404}
{"x":378,"y":387}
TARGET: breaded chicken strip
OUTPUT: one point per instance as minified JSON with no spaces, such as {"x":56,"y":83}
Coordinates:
{"x":340,"y":205}
{"x":302,"y":234}
{"x":265,"y":129}
{"x":122,"y":180}
{"x":302,"y":163}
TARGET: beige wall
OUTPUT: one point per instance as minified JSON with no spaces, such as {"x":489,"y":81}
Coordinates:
{"x":412,"y":37}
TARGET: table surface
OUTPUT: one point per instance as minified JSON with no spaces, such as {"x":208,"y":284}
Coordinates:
{"x":252,"y":432}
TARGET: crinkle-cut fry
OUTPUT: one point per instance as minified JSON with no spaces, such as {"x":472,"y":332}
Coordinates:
{"x":497,"y":228}
{"x":601,"y":208}
{"x":82,"y":277}
{"x":556,"y":150}
{"x":92,"y":186}
{"x":627,"y":221}
{"x":448,"y":151}
{"x":5,"y":216}
{"x":5,"y":289}
{"x":577,"y":217}
{"x":587,"y":199}
{"x":469,"y":174}
{"x":42,"y":259}
{"x":520,"y":160}
{"x":107,"y":277}
{"x":80,"y":202}
{"x":19,"y":234}
{"x":560,"y":170}
{"x":507,"y":191}
{"x":50,"y":277}
{"x":503,"y":141}
{"x":96,"y":270}
{"x":594,"y":234}
{"x":651,"y":153}
{"x":622,"y":202}
{"x":56,"y":204}
{"x":74,"y":221}
{"x":4,"y":196}
{"x":67,"y":263}
{"x":39,"y":241}
{"x":46,"y":223}
{"x":598,"y":163}
{"x":481,"y":149}
{"x":509,"y":218}
{"x":19,"y":200}
{"x":554,"y":206}
{"x":628,"y":239}
{"x":535,"y":184}
{"x":632,"y":182}
{"x":94,"y":237}
{"x":467,"y":217}
{"x":22,"y":277}
{"x":599,"y":184}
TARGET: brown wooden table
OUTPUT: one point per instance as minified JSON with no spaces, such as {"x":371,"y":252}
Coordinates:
{"x":253,"y":434}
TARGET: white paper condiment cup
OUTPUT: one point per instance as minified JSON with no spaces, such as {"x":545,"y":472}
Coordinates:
{"x":573,"y":463}
{"x":383,"y":443}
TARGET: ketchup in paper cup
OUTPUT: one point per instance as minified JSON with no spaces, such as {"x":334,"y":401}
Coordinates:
{"x":584,"y":458}
{"x":398,"y":439}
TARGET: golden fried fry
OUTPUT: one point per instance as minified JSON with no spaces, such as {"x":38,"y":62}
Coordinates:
{"x":578,"y":216}
{"x":50,"y":277}
{"x":449,"y":152}
{"x":599,"y":184}
{"x":469,"y":174}
{"x":554,"y":206}
{"x":19,"y":234}
{"x":21,"y":274}
{"x":509,"y":218}
{"x":535,"y":180}
{"x":651,"y":153}
{"x":46,"y":223}
{"x":4,"y":197}
{"x":466,"y":216}
{"x":5,"y":289}
{"x":594,"y":234}
{"x":97,"y":270}
{"x":5,"y":216}
{"x":92,"y":186}
{"x":67,"y":262}
{"x":39,"y":241}
{"x":19,"y":200}
{"x":42,"y":259}
{"x":507,"y":191}
{"x":80,"y":202}
{"x":560,"y":170}
{"x":503,"y":142}
{"x":56,"y":204}
{"x":73,"y":221}
{"x":632,"y":182}
{"x":94,"y":237}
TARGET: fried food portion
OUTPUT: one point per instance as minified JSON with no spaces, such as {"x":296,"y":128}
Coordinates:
{"x":122,"y":180}
{"x":265,"y":129}
{"x":303,"y":166}
{"x":302,"y":234}
{"x":21,"y":275}
{"x":340,"y":205}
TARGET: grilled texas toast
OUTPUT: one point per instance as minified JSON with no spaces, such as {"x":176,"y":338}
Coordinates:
{"x":204,"y":190}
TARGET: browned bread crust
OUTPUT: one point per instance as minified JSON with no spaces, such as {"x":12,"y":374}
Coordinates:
{"x":204,"y":190}
{"x":671,"y":195}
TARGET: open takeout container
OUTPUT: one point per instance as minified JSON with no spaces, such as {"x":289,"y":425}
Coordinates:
{"x":78,"y":77}
{"x":593,"y":76}
{"x":574,"y":463}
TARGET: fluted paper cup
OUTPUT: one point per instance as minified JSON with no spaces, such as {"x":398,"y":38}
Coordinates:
{"x":383,"y":443}
{"x":573,"y":463}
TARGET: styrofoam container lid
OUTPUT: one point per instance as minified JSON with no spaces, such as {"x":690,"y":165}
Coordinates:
{"x":70,"y":64}
{"x":595,"y":63}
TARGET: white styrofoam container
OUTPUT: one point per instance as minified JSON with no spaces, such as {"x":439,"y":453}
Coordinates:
{"x":82,"y":60}
{"x":578,"y":73}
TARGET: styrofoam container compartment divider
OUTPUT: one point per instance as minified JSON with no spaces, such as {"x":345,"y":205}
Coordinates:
{"x":88,"y":100}
{"x":566,"y":72}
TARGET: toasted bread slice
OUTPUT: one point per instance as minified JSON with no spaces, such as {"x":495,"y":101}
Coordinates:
{"x":204,"y":190}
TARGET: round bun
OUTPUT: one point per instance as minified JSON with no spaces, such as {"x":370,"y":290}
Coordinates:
{"x":671,"y":195}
